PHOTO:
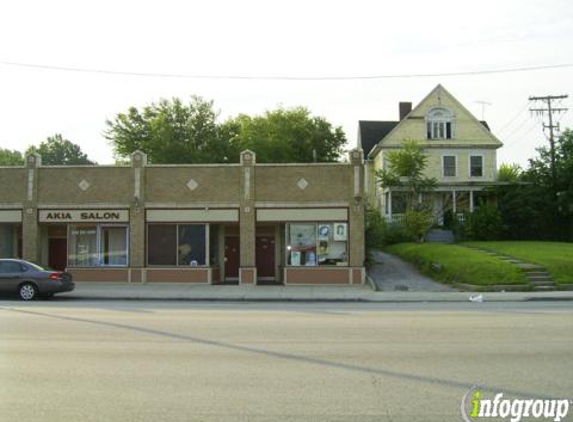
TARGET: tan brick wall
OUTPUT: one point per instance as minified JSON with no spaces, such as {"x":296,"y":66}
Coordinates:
{"x":214,"y":184}
{"x":325,"y":183}
{"x":107,"y":185}
{"x":13,"y":182}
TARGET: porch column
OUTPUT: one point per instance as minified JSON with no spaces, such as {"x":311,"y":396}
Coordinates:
{"x":454,"y":203}
{"x":390,"y":204}
{"x":471,"y":201}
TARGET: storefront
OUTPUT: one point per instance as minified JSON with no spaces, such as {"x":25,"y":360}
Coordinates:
{"x":244,"y":223}
{"x":11,"y":233}
{"x":84,"y":238}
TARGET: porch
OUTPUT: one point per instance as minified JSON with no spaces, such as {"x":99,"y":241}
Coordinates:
{"x":446,"y":204}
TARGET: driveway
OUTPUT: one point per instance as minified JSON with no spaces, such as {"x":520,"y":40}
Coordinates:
{"x":391,"y":273}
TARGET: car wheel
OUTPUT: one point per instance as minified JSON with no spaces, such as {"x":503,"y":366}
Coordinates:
{"x":27,"y":291}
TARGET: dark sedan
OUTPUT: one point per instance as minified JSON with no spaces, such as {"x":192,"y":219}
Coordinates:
{"x":30,"y":280}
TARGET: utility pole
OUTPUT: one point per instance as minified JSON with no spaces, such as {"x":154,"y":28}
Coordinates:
{"x":550,"y":110}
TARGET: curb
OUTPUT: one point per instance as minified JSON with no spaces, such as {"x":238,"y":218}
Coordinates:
{"x":311,"y":300}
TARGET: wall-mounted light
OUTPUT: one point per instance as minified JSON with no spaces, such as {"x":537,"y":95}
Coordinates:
{"x":136,"y":203}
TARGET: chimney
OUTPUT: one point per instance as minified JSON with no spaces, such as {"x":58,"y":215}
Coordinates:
{"x":405,"y":108}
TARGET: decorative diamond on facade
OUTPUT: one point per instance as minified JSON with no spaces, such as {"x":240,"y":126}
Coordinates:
{"x":192,"y":184}
{"x":84,"y":185}
{"x":302,"y":184}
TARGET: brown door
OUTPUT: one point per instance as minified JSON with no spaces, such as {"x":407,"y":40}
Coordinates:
{"x":265,"y":251}
{"x":232,"y":256}
{"x":57,"y":253}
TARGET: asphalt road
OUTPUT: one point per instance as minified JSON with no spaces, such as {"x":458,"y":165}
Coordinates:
{"x":180,"y":361}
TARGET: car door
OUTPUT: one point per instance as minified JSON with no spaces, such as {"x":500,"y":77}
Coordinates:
{"x":10,"y":276}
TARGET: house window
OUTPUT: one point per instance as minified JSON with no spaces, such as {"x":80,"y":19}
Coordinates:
{"x":449,"y":165}
{"x":439,"y":124}
{"x":476,"y":166}
{"x":315,"y":244}
{"x":177,"y":244}
{"x":94,"y":245}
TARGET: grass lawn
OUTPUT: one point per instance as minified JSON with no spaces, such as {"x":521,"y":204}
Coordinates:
{"x":556,"y":257}
{"x":458,"y":264}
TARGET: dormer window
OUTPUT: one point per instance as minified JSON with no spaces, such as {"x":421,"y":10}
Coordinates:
{"x":439,"y":124}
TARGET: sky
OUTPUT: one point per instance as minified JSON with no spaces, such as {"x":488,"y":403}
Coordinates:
{"x":294,"y":39}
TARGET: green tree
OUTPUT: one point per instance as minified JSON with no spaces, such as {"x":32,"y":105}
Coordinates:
{"x":10,"y":157}
{"x":485,"y":223}
{"x":173,"y":132}
{"x":509,"y":172}
{"x":405,"y":170}
{"x":57,"y":150}
{"x":288,"y":135}
{"x":535,"y":207}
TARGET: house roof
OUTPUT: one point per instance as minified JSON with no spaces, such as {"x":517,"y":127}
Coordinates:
{"x":372,"y":131}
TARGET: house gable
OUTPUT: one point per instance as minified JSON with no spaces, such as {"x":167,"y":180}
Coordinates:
{"x":467,"y":131}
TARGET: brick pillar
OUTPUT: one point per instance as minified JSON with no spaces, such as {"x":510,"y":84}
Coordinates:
{"x":137,"y":218}
{"x":30,"y":229}
{"x":247,"y":227}
{"x":356,"y":216}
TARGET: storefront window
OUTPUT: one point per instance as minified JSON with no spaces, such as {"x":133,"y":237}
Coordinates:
{"x":317,"y":244}
{"x":10,"y":240}
{"x":113,"y":246}
{"x":302,"y":244}
{"x":191,"y":245}
{"x":95,"y":245}
{"x":83,"y":250}
{"x":161,"y":240}
{"x":177,"y":244}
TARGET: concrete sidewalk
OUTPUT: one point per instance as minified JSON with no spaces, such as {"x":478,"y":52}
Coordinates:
{"x":172,"y":291}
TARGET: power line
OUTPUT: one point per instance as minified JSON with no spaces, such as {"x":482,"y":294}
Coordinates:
{"x":520,"y":133}
{"x":518,"y":128}
{"x":513,"y":118}
{"x":278,"y":78}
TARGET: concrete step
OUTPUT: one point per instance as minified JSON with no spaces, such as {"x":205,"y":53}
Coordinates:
{"x":440,"y":236}
{"x":539,"y":278}
{"x":544,"y":283}
{"x":529,"y":267}
{"x":544,"y":288}
{"x":537,"y":273}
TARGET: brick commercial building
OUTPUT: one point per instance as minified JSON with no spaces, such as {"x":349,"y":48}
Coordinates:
{"x":247,"y":222}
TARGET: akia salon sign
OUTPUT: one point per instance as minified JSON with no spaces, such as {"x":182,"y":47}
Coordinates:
{"x":83,"y":216}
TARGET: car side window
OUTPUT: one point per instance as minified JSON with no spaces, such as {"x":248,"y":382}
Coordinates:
{"x":24,"y":268}
{"x":10,"y":267}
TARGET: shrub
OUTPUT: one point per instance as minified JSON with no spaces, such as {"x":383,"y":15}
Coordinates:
{"x":394,"y":233}
{"x":417,"y":224}
{"x":379,"y":233}
{"x":484,"y":223}
{"x":374,"y":229}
